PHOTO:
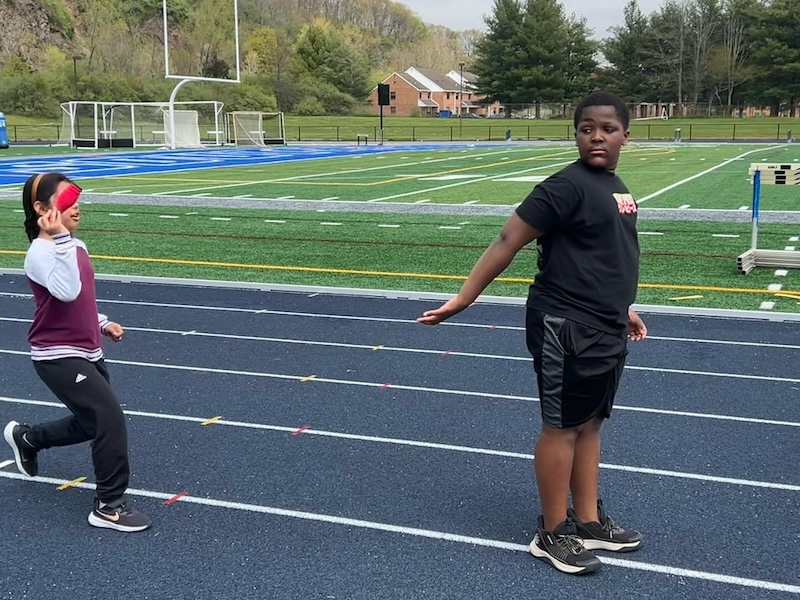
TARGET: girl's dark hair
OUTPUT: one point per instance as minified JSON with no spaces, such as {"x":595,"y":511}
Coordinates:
{"x":40,"y":188}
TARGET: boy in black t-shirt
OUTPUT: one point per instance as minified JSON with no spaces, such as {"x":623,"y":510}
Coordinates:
{"x":579,"y":318}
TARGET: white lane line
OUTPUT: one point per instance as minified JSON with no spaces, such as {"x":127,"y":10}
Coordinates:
{"x":286,"y":313}
{"x":429,"y":445}
{"x":424,"y":533}
{"x":431,"y":390}
{"x":6,"y":463}
{"x":706,"y":172}
{"x":429,"y":351}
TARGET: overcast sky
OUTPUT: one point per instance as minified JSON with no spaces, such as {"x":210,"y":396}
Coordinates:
{"x":468,"y":14}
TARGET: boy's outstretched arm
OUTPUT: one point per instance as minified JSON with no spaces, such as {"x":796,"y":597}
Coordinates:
{"x":515,"y":234}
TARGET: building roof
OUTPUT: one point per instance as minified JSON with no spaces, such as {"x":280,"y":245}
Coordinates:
{"x":440,"y":83}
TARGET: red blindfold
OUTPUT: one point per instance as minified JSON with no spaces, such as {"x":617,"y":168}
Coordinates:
{"x":68,"y":197}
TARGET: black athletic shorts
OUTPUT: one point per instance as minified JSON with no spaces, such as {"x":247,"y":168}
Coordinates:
{"x":578,"y":368}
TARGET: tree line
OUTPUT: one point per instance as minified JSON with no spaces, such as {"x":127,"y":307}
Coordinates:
{"x":723,"y":54}
{"x":324,"y":56}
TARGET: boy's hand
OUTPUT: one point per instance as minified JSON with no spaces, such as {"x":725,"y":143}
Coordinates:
{"x":114,"y":331}
{"x":445,"y":311}
{"x":637,"y":330}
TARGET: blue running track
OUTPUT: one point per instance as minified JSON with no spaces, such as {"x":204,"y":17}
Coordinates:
{"x":359,"y":455}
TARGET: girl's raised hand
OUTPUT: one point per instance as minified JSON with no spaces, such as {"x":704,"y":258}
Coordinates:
{"x":50,"y":222}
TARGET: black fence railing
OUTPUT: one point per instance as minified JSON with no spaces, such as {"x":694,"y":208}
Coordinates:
{"x":756,"y":130}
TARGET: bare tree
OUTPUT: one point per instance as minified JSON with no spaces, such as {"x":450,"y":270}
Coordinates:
{"x":737,"y":49}
{"x":670,"y":31}
{"x":702,"y":27}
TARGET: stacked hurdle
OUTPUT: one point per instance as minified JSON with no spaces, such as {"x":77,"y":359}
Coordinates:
{"x":768,"y":174}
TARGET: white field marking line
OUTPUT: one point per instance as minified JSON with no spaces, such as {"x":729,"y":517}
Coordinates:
{"x":287,"y":313}
{"x":641,"y":409}
{"x":424,"y":533}
{"x":5,"y":463}
{"x":469,"y":181}
{"x":706,"y":172}
{"x":330,"y":174}
{"x":424,"y":444}
{"x":484,"y":179}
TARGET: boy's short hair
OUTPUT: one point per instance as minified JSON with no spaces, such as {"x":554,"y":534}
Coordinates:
{"x":604,"y":99}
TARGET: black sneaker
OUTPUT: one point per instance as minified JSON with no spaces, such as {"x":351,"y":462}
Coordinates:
{"x":564,"y":549}
{"x":118,"y":517}
{"x":24,"y":452}
{"x":606,"y":535}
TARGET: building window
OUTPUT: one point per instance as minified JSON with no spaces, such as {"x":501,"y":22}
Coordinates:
{"x":448,"y":95}
{"x":393,"y":110}
{"x":392,"y":96}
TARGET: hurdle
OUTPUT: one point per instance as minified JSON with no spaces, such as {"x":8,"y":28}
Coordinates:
{"x":768,"y":174}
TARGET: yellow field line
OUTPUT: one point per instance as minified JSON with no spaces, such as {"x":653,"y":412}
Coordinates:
{"x":411,"y":275}
{"x":157,"y":180}
{"x":482,"y":166}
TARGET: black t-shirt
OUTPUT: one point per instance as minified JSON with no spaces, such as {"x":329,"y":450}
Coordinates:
{"x":588,"y":250}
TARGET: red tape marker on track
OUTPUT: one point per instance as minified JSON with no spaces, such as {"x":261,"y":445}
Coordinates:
{"x":175,"y":498}
{"x":446,"y":353}
{"x":303,"y":429}
{"x":385,"y":385}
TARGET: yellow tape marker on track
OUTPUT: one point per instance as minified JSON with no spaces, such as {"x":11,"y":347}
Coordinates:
{"x":308,"y":378}
{"x":411,"y":275}
{"x":212,"y":420}
{"x":70,"y":484}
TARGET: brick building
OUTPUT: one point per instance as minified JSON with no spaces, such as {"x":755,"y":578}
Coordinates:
{"x":418,"y":92}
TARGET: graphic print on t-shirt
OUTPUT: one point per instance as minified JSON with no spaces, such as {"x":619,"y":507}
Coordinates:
{"x":625,"y":203}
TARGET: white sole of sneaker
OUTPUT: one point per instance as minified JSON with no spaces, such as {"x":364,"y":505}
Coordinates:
{"x":612,"y":546}
{"x":8,"y":434}
{"x":563,"y":567}
{"x":102,"y":523}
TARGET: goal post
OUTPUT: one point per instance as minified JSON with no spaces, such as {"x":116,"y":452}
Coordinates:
{"x":135,"y":124}
{"x":247,"y":128}
{"x":182,"y":130}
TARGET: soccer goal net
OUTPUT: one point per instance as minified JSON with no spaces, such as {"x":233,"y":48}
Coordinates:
{"x":255,"y":128}
{"x":136,"y":124}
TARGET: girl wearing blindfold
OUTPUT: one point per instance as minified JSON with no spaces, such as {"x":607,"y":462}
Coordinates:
{"x":67,"y":353}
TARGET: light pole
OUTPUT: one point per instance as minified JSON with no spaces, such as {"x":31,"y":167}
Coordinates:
{"x":460,"y":97}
